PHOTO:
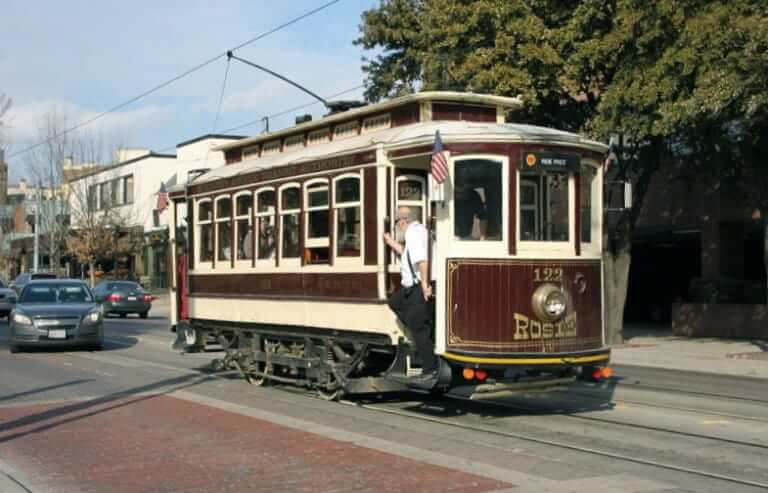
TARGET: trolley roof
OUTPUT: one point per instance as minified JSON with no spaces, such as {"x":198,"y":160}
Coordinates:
{"x":413,"y":135}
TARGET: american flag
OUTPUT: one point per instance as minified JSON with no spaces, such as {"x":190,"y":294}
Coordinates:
{"x":439,"y":165}
{"x":162,"y":198}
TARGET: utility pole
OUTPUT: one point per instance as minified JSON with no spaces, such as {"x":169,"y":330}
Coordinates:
{"x":37,"y":230}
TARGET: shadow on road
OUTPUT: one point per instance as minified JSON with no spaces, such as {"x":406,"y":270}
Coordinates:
{"x":51,"y":418}
{"x":27,"y":393}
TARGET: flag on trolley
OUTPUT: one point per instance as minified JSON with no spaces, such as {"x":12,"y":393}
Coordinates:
{"x":162,"y":199}
{"x":439,"y":165}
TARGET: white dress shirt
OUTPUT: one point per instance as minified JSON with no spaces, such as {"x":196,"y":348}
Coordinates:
{"x":415,"y":251}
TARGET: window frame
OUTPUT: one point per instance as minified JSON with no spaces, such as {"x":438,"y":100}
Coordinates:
{"x":199,"y":262}
{"x":322,"y":242}
{"x":553,"y":247}
{"x":336,"y":207}
{"x":595,"y":246}
{"x":217,"y":221}
{"x":287,"y":261}
{"x":257,"y":217}
{"x":485,"y":248}
{"x":236,"y":218}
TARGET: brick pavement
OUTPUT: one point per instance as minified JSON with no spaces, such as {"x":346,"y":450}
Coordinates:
{"x":164,"y":444}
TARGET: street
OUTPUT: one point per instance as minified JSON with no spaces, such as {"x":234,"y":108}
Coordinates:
{"x":138,"y":417}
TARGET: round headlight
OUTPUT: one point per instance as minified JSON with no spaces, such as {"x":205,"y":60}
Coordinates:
{"x":549,"y":302}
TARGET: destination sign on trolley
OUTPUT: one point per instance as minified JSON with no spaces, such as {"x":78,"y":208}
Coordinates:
{"x":543,"y":161}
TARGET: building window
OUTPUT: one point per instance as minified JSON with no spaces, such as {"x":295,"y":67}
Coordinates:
{"x":477,"y":195}
{"x":93,"y":198}
{"x":316,"y":201}
{"x":544,"y":209}
{"x":347,"y":129}
{"x":319,"y":136}
{"x":376,"y":123}
{"x":265,"y":222}
{"x":243,"y":230}
{"x":290,"y":201}
{"x":223,"y":228}
{"x":104,"y":199}
{"x":128,"y":189}
{"x":205,"y":230}
{"x":271,"y":147}
{"x":116,"y":191}
{"x":347,"y":209}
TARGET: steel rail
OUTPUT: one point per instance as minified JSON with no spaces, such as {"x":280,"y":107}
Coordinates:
{"x":554,"y":443}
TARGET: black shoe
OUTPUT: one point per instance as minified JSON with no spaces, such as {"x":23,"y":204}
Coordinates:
{"x":426,"y":380}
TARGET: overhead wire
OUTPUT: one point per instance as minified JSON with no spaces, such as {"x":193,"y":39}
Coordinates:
{"x":174,"y":79}
{"x":276,"y":115}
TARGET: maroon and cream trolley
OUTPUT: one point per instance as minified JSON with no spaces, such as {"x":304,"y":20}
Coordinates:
{"x":279,"y":254}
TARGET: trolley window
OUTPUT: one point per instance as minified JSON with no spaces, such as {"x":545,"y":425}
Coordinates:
{"x":348,"y":214}
{"x":411,"y":193}
{"x":477,"y":196}
{"x":316,"y":198}
{"x":544,"y":206}
{"x":587,"y":193}
{"x":223,"y":228}
{"x":290,"y":201}
{"x":243,"y":226}
{"x":205,"y":233}
{"x":265,"y":224}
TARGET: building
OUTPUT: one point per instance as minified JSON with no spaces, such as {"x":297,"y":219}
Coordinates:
{"x":129,"y":191}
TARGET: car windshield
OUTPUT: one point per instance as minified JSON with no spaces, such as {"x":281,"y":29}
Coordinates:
{"x":123,"y":286}
{"x":56,"y":293}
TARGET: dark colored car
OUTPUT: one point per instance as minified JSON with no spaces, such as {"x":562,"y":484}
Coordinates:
{"x":123,"y":297}
{"x":56,"y":312}
{"x":7,"y":300}
{"x":23,"y":278}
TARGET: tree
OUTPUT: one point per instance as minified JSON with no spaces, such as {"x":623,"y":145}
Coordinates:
{"x":680,"y":80}
{"x":101,"y":229}
{"x":5,"y":106}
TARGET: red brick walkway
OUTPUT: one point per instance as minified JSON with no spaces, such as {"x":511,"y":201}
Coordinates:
{"x":164,"y":444}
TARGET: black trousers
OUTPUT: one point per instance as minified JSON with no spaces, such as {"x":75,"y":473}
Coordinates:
{"x":417,"y":314}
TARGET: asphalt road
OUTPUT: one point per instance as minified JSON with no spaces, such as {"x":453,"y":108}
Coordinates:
{"x":139,"y":417}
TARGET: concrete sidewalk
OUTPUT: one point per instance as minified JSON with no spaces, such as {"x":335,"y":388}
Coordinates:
{"x":655,"y":346}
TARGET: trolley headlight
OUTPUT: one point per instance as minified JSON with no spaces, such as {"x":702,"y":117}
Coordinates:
{"x":549,"y":302}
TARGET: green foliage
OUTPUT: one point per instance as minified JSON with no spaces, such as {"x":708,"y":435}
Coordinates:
{"x":686,"y":79}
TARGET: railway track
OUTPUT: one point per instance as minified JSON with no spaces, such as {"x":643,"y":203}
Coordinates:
{"x":562,"y":444}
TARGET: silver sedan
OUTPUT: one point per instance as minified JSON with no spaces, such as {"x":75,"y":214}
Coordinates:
{"x":61,"y":312}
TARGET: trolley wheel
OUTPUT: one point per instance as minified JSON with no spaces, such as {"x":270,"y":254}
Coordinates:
{"x":330,"y":395}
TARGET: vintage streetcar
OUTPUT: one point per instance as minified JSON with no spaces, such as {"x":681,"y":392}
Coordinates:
{"x":280,"y":259}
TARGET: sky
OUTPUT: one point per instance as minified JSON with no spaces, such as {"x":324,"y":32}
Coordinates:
{"x":81,"y":57}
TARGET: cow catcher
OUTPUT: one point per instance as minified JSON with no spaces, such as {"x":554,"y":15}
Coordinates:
{"x":280,"y":260}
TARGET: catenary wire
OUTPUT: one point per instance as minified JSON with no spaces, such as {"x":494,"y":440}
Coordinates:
{"x":174,"y":79}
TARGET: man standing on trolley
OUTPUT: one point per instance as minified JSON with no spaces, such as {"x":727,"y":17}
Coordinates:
{"x":411,"y":302}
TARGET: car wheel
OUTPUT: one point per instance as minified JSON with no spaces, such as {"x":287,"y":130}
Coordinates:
{"x":13,"y":349}
{"x":123,"y":315}
{"x":144,"y":314}
{"x":98,"y":346}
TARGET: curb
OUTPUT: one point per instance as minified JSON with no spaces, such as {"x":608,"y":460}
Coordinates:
{"x":10,"y":482}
